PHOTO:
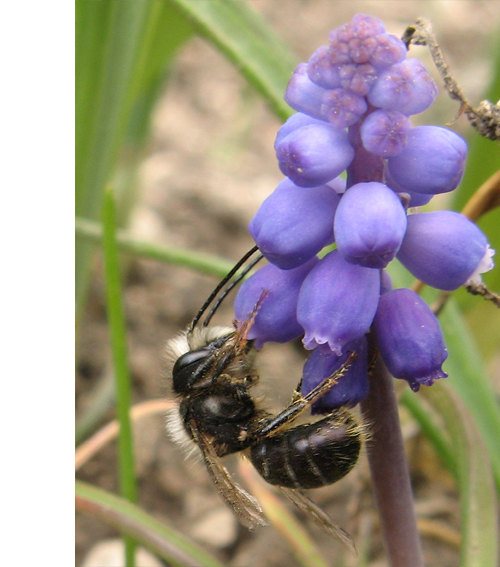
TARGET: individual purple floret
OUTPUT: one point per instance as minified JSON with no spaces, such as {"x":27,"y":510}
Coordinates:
{"x":277,"y":290}
{"x":359,"y":78}
{"x":295,"y":122}
{"x":370,"y":224}
{"x":303,"y":95}
{"x":343,"y":108}
{"x":409,"y":338}
{"x":315,"y":154}
{"x":291,"y":211}
{"x":444,"y":249}
{"x":321,"y":71}
{"x":385,"y":132}
{"x":337,"y":302}
{"x":406,"y":87}
{"x":389,"y":51}
{"x":350,"y":389}
{"x":432,"y":162}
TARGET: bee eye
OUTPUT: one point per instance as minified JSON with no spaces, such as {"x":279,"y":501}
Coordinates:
{"x":188,"y":368}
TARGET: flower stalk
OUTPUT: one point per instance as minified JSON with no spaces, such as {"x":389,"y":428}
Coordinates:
{"x":389,"y":471}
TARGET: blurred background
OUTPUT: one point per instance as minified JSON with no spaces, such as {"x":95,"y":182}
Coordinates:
{"x":194,"y":167}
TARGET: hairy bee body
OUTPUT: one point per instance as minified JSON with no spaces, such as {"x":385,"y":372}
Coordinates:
{"x":213,"y":381}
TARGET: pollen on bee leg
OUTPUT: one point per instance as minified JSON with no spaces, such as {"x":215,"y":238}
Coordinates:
{"x":243,"y":435}
{"x":243,"y":327}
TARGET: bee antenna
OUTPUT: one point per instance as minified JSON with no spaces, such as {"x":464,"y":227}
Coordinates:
{"x":221,"y":284}
{"x":228,"y":289}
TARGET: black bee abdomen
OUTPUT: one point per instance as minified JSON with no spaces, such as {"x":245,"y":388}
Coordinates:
{"x":308,"y":456}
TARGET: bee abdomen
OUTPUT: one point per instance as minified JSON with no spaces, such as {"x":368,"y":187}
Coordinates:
{"x":309,"y":456}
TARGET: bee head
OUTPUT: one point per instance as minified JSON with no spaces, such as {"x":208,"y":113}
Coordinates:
{"x":190,"y":356}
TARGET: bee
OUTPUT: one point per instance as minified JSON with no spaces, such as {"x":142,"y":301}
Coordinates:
{"x":212,"y":373}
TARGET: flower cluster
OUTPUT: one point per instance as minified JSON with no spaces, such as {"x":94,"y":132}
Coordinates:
{"x":354,"y":99}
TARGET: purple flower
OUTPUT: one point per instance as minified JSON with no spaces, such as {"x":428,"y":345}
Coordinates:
{"x":356,"y":41}
{"x":432,"y":162}
{"x":303,"y":95}
{"x":409,"y":338}
{"x":295,"y":122}
{"x":321,"y":71}
{"x":389,"y":51}
{"x":337,"y":302}
{"x":364,"y":40}
{"x":370,"y":224}
{"x":350,"y":389}
{"x":406,"y":87}
{"x":385,"y":132}
{"x":444,"y":249}
{"x":278,"y":291}
{"x":315,"y":154}
{"x":293,"y":224}
{"x":343,"y":108}
{"x":358,"y":79}
{"x":354,"y":98}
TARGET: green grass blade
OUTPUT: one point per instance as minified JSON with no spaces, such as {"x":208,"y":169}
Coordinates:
{"x":146,"y":530}
{"x":478,"y":502}
{"x":431,"y":428}
{"x":248,"y":42}
{"x":468,"y":378}
{"x":110,"y":33}
{"x":203,"y":263}
{"x":116,"y":321}
{"x":123,"y":49}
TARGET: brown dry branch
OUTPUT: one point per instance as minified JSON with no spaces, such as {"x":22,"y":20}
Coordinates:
{"x":486,"y":117}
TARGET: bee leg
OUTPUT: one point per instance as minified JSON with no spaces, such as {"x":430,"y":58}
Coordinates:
{"x":300,"y":403}
{"x":296,"y":396}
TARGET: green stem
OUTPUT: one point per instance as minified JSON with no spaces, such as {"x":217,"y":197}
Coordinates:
{"x":204,"y":263}
{"x":116,"y":320}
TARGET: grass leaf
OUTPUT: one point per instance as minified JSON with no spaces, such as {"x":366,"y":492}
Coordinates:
{"x":478,"y":502}
{"x":175,"y":548}
{"x":116,"y":320}
{"x":248,"y":42}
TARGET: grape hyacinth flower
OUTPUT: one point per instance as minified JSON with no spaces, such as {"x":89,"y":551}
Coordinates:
{"x":277,"y":317}
{"x":330,"y":244}
{"x":354,"y":100}
{"x":276,"y":236}
{"x":409,"y":338}
{"x":351,"y":388}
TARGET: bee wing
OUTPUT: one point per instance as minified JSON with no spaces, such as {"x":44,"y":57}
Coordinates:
{"x":320,"y":517}
{"x":243,"y":504}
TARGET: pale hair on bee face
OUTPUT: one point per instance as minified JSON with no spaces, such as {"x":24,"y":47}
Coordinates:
{"x":174,"y":349}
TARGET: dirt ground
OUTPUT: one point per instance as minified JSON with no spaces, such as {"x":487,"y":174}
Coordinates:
{"x":209,"y":164}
